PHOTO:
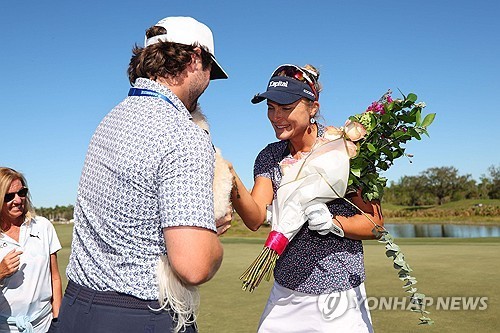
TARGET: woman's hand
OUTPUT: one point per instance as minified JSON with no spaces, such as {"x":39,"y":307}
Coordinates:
{"x":251,"y":206}
{"x":10,"y":263}
{"x":321,"y":220}
{"x":360,"y":225}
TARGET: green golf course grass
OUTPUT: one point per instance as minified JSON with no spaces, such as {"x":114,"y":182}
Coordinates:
{"x":449,"y":270}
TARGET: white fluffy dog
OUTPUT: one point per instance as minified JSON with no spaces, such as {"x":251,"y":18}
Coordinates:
{"x":173,"y":294}
{"x":223,"y":179}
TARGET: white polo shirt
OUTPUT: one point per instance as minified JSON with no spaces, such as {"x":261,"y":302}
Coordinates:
{"x":27,"y":291}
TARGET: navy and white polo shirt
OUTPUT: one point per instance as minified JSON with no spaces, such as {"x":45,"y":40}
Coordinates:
{"x":312,"y":263}
{"x":148,"y":166}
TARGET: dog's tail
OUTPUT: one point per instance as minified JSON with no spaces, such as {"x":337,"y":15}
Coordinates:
{"x":176,"y":296}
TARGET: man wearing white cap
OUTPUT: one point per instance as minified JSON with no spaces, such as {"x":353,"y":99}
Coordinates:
{"x":145,"y":197}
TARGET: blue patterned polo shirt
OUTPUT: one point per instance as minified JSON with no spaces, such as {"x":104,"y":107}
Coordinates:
{"x":148,"y":167}
{"x":312,"y":263}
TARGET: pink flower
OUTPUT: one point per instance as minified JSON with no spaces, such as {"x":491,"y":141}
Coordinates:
{"x":376,"y":107}
{"x":333,"y":133}
{"x":354,"y":130}
{"x":352,"y":149}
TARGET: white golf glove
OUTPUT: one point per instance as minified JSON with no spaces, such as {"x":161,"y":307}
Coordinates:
{"x":269,"y":214}
{"x":321,"y":220}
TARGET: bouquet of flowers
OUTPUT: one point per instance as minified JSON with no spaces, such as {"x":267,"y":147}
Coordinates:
{"x":389,"y":124}
{"x":372,"y":140}
{"x":379,"y":135}
{"x":321,"y":176}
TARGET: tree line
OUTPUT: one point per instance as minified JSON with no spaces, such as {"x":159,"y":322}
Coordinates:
{"x":57,"y":213}
{"x":432,"y":186}
{"x":439,"y":185}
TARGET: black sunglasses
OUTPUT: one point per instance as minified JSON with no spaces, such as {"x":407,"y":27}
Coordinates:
{"x":10,"y":196}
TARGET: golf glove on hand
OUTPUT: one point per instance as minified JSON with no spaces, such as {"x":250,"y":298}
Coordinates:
{"x":269,"y":214}
{"x":321,"y":220}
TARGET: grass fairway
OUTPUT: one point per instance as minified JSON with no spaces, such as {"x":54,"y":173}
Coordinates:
{"x":444,"y":268}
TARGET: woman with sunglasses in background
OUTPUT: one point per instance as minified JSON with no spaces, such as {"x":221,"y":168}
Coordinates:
{"x":29,"y":275}
{"x":319,"y":278}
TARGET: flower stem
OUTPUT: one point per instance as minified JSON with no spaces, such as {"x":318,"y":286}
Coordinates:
{"x":260,"y":268}
{"x":393,"y":250}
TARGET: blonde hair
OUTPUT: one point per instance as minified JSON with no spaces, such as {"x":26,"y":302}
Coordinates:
{"x":7,"y":176}
{"x":314,"y":74}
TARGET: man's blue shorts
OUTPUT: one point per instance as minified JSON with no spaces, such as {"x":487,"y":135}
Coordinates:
{"x":84,"y":310}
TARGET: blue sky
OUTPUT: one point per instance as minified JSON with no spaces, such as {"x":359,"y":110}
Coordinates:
{"x":64,"y":67}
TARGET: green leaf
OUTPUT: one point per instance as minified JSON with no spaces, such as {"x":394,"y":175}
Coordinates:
{"x":371,"y":147}
{"x":400,"y":260}
{"x":428,"y":120}
{"x":386,"y":151}
{"x":378,"y":234}
{"x":398,"y":105}
{"x":382,"y":181}
{"x":385,"y":238}
{"x":389,"y":107}
{"x":411,"y":97}
{"x":418,"y":296}
{"x":426,"y":321}
{"x":423,"y":131}
{"x":392,"y":247}
{"x":391,"y":254}
{"x":398,"y":134}
{"x":418,"y":117}
{"x":409,"y":283}
{"x":385,"y":118}
{"x":382,"y":165}
{"x":397,"y":153}
{"x":356,"y":172}
{"x":403,"y":271}
{"x":414,"y":133}
{"x":407,"y":118}
{"x":406,"y":267}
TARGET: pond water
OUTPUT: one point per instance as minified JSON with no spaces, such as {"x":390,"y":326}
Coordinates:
{"x":408,"y":230}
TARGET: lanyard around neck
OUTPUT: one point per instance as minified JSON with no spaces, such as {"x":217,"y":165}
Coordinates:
{"x":150,"y":93}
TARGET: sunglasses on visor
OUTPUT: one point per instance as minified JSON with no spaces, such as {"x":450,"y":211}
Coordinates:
{"x":298,"y":74}
{"x":10,"y":196}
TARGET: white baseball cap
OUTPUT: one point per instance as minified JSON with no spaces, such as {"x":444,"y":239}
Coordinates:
{"x":188,"y":31}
